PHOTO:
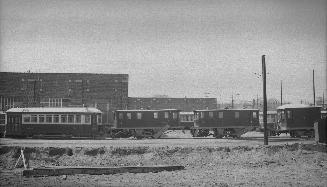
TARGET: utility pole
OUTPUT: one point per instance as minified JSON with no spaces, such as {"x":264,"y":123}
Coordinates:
{"x":314,"y":89}
{"x":264,"y":100}
{"x":281,"y":93}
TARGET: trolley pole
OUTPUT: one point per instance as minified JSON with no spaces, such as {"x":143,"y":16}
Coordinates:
{"x":264,"y":100}
{"x":281,"y":93}
{"x":314,"y":89}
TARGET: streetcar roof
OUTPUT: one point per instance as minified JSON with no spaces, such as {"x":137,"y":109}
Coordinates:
{"x":55,"y":110}
{"x":186,"y":113}
{"x":295,"y":106}
{"x":269,"y":112}
{"x":147,"y":110}
{"x":245,"y":109}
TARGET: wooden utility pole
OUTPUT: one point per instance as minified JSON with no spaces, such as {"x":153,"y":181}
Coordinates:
{"x":264,"y":100}
{"x":281,"y":93}
{"x":314,"y":89}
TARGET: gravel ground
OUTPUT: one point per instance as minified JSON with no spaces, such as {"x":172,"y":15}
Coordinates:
{"x":208,"y":162}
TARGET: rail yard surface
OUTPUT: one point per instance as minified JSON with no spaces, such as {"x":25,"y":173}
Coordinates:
{"x":208,"y":161}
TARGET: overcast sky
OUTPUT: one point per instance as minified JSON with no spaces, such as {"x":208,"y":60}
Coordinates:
{"x":173,"y":47}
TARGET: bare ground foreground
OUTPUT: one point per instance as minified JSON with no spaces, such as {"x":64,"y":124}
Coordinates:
{"x":207,"y":161}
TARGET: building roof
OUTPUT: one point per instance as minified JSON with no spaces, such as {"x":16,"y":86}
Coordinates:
{"x":55,"y":110}
{"x":269,"y":112}
{"x":296,"y":106}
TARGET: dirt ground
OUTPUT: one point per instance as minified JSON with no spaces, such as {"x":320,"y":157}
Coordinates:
{"x":208,"y":162}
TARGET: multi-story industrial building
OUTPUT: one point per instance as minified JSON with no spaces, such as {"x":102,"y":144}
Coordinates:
{"x":107,"y":92}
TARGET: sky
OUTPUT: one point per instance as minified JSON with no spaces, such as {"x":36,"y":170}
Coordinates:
{"x":180,"y":48}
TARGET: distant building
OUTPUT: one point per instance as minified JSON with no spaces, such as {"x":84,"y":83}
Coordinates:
{"x":107,"y":92}
{"x":184,"y":104}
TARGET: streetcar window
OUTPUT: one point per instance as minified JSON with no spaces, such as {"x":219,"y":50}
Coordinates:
{"x":191,"y":118}
{"x":78,"y":119}
{"x":27,"y":118}
{"x":139,"y":115}
{"x":202,"y":115}
{"x":48,"y":118}
{"x":99,"y":118}
{"x":120,"y":116}
{"x":63,"y":118}
{"x":221,"y":115}
{"x":254,"y":115}
{"x":70,"y":118}
{"x":155,"y":115}
{"x":129,"y":115}
{"x":56,"y":118}
{"x":289,"y":114}
{"x":87,"y":118}
{"x":166,"y":115}
{"x":41,"y":118}
{"x":174,"y":115}
{"x":34,"y":118}
{"x":237,"y":115}
{"x":210,"y":114}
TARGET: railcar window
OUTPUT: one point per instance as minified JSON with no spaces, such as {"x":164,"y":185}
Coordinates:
{"x":254,"y":115}
{"x":70,"y":118}
{"x":289,"y":114}
{"x":129,"y":115}
{"x":210,"y":114}
{"x":56,"y":118}
{"x":237,"y":115}
{"x":99,"y":118}
{"x":220,"y":115}
{"x":166,"y":115}
{"x":63,"y":118}
{"x":78,"y":119}
{"x":34,"y":118}
{"x":87,"y":118}
{"x":27,"y":118}
{"x":48,"y":118}
{"x":139,"y":115}
{"x":121,"y":115}
{"x":41,"y":118}
{"x":191,"y":118}
{"x":155,"y":115}
{"x":174,"y":115}
{"x":201,"y":115}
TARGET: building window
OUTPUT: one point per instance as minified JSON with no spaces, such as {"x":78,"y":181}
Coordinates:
{"x":254,"y":115}
{"x":87,"y":118}
{"x":34,"y":119}
{"x":70,"y":118}
{"x":41,"y":118}
{"x":139,"y":115}
{"x":129,"y":116}
{"x":27,"y":118}
{"x":210,"y":114}
{"x":155,"y":115}
{"x":56,"y":118}
{"x":63,"y":118}
{"x":48,"y":118}
{"x":78,"y":118}
{"x":237,"y":115}
{"x":166,"y":115}
{"x":221,"y":115}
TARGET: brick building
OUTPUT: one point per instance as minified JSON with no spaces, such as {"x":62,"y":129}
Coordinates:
{"x":184,"y":104}
{"x":107,"y":92}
